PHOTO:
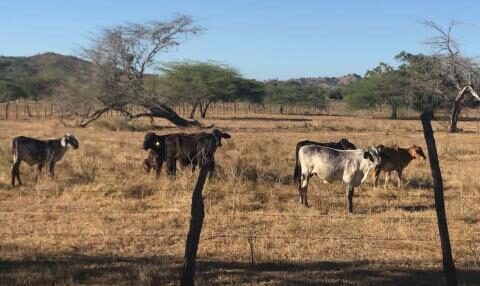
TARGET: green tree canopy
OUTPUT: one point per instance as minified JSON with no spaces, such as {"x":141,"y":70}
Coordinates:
{"x":202,"y":83}
{"x":382,"y":85}
{"x":294,"y":93}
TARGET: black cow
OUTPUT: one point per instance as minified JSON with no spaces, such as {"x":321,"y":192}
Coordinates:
{"x":157,"y":151}
{"x":39,"y":152}
{"x":193,"y":149}
{"x":343,"y":144}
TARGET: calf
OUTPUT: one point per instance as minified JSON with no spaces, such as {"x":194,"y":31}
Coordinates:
{"x":398,"y":159}
{"x":151,"y":162}
{"x":40,"y":153}
{"x":157,"y":154}
{"x":351,"y":166}
{"x":343,"y":144}
{"x":193,"y":149}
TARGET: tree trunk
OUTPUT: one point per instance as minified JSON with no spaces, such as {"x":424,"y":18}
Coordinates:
{"x":196,"y":223}
{"x":28,"y":110}
{"x":163,"y":111}
{"x":154,"y":110}
{"x":192,"y":113}
{"x":452,"y":127}
{"x":95,"y":115}
{"x":7,"y":105}
{"x":203,"y":109}
{"x":394,"y":109}
{"x":448,"y":263}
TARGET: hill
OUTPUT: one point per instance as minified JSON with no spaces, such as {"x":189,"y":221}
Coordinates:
{"x":328,"y":82}
{"x":37,"y":76}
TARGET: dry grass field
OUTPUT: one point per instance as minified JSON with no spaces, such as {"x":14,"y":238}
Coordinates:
{"x":104,"y":221}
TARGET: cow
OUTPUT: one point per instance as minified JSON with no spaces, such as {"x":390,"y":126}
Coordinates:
{"x":193,"y":149}
{"x":157,"y":154}
{"x":343,"y":144}
{"x":350,"y":166}
{"x":39,"y":152}
{"x":398,"y":159}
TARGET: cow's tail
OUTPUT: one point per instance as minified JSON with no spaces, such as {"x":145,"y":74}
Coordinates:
{"x":14,"y":150}
{"x":297,"y":170}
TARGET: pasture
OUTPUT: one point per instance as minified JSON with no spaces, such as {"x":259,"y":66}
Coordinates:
{"x":104,"y":221}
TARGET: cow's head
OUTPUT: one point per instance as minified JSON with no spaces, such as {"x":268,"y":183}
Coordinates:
{"x":346,"y":145}
{"x":68,"y":140}
{"x":417,"y":152}
{"x":375,"y":155}
{"x":219,"y":135}
{"x":151,"y":141}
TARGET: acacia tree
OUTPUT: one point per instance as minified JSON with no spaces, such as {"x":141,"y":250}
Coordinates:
{"x":202,"y":83}
{"x":292,"y":92}
{"x":122,"y":56}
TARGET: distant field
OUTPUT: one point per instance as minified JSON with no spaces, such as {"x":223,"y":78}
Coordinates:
{"x":103,"y":221}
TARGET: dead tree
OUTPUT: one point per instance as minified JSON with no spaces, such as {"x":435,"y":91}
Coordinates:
{"x":457,"y":71}
{"x":122,"y":56}
{"x":448,"y":263}
{"x":196,"y":223}
{"x":452,"y":127}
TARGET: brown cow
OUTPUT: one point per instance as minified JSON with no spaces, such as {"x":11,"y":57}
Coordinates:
{"x":397,"y":160}
{"x":152,"y":161}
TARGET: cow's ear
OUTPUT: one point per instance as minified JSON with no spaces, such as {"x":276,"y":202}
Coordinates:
{"x":226,"y":135}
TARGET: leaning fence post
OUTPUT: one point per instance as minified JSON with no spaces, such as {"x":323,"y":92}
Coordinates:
{"x":196,"y":223}
{"x":448,"y":263}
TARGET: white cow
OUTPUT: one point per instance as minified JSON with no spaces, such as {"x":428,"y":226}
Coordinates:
{"x":350,"y":166}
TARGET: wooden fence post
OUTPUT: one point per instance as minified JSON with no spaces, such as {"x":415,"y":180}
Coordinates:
{"x":196,"y":223}
{"x":448,"y":263}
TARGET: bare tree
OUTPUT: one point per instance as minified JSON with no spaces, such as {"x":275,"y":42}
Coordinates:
{"x":122,"y":56}
{"x":458,"y":71}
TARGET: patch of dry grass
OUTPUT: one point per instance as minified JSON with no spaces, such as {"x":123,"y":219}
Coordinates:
{"x":103,"y":221}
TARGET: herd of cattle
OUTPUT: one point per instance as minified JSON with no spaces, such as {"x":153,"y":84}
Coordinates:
{"x":332,"y":161}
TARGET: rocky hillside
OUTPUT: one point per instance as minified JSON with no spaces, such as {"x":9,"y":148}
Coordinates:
{"x":329,"y":82}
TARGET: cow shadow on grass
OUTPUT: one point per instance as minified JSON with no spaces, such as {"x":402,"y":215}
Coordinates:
{"x":378,"y":209}
{"x":416,"y":208}
{"x":165,"y":270}
{"x":419,"y":183}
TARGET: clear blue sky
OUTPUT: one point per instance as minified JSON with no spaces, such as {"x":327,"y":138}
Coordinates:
{"x":262,"y":38}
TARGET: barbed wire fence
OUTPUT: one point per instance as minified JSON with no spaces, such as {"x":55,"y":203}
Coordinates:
{"x":26,"y":109}
{"x":247,"y":235}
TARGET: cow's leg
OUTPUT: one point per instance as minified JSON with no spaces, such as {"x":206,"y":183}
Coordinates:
{"x":39,"y":171}
{"x":194,"y":165}
{"x":212,"y":170}
{"x":51,"y":169}
{"x":15,"y":173}
{"x":303,"y":189}
{"x":399,"y":173}
{"x":377,"y":174}
{"x":158,"y":168}
{"x":350,"y":198}
{"x":146,"y":166}
{"x":387,"y":176}
{"x":171,"y":167}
